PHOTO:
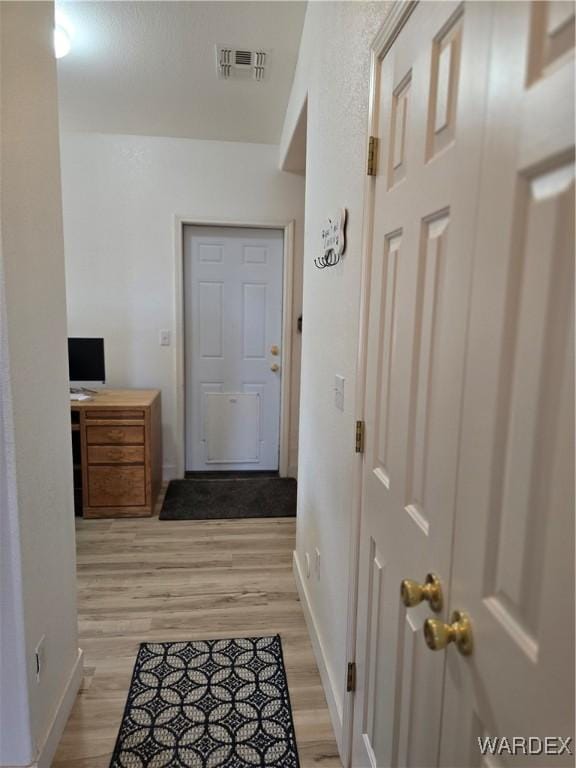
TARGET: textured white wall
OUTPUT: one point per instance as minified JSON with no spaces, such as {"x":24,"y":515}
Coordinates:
{"x":333,"y":69}
{"x":37,"y":537}
{"x":16,"y":732}
{"x":121,"y":194}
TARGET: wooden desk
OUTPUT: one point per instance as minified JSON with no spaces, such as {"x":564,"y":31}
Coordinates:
{"x":117,"y":453}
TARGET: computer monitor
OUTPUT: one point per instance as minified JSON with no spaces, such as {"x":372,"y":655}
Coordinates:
{"x":86,"y":360}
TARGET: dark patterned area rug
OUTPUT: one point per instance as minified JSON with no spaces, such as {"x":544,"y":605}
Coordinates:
{"x":208,"y":704}
{"x":217,"y":499}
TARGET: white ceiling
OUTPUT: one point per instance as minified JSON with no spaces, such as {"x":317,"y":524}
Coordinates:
{"x":150,"y":68}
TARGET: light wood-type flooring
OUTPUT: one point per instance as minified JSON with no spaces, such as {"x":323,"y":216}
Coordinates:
{"x":150,"y":580}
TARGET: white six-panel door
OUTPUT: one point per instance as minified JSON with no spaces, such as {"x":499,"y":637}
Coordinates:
{"x":514,"y":542}
{"x":431,"y":106}
{"x":233,"y":332}
{"x":469,"y":463}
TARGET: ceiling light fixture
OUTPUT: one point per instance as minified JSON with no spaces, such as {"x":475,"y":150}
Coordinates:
{"x":62,"y":36}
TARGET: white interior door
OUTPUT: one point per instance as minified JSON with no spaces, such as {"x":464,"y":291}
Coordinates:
{"x":233,"y":332}
{"x":514,"y":542}
{"x":432,"y":86}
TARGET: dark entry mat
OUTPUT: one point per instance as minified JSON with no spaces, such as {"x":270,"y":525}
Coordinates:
{"x":208,"y":704}
{"x":229,"y":498}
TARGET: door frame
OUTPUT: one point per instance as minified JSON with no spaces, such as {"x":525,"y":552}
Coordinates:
{"x":287,"y":228}
{"x":391,"y":27}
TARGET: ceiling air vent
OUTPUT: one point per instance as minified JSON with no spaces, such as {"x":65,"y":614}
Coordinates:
{"x":243,"y":57}
{"x":241,"y":63}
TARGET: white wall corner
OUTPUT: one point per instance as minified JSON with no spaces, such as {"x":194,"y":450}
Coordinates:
{"x":47,"y":750}
{"x":326,"y":675}
{"x":292,"y":152}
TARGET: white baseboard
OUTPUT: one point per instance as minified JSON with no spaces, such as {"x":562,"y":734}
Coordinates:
{"x":334,"y":707}
{"x":50,"y":745}
{"x":169,"y":473}
{"x":293,"y":471}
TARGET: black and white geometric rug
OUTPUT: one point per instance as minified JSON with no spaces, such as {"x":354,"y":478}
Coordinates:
{"x":208,"y":704}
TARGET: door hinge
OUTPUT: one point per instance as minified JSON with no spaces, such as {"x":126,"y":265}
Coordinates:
{"x":372,"y":166}
{"x":359,"y":437}
{"x":351,"y":677}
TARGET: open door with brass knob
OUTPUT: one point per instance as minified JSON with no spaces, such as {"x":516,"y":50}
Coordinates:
{"x":418,"y":270}
{"x":412,"y":593}
{"x":469,"y":398}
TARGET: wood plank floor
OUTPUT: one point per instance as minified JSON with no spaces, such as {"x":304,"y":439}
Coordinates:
{"x":150,"y":580}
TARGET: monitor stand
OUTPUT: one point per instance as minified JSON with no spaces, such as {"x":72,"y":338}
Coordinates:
{"x":82,"y":391}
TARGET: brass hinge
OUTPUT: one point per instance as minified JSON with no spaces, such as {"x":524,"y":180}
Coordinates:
{"x":351,"y":677}
{"x":359,"y":437}
{"x":372,"y":168}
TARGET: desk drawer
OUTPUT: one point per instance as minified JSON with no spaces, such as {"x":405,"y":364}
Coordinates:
{"x":116,"y":486}
{"x":101,"y":415}
{"x":115,"y":454}
{"x":114,"y":435}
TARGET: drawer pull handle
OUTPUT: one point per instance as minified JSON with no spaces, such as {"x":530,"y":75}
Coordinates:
{"x":115,"y":453}
{"x":115,"y":434}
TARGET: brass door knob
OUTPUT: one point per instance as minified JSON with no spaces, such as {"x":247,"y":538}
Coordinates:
{"x":274,"y":350}
{"x":413,"y":593}
{"x":274,"y":367}
{"x":438,"y":635}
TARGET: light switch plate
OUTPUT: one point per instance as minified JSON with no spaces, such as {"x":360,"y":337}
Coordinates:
{"x":164,"y":338}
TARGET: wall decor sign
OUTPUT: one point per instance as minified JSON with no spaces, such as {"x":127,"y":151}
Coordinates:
{"x":333,"y":240}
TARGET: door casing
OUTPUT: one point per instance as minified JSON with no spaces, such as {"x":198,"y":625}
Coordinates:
{"x":287,"y":228}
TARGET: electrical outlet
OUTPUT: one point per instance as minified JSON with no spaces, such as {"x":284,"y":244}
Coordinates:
{"x":165,"y":338}
{"x":307,"y":558}
{"x":39,"y":658}
{"x":339,"y":392}
{"x":317,"y":562}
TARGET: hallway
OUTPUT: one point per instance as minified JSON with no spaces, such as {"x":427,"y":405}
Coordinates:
{"x":328,"y":241}
{"x":147,"y":580}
